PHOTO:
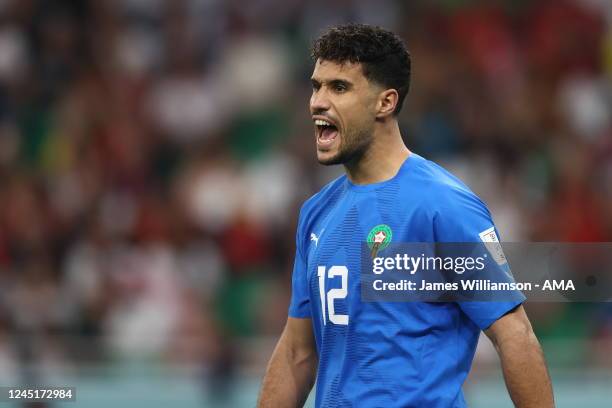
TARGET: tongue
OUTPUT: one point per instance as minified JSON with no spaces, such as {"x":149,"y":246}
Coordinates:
{"x":328,"y":133}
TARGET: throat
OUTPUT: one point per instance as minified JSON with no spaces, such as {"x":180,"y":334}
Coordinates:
{"x":372,"y":168}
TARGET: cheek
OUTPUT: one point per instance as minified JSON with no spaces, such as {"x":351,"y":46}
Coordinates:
{"x":354,"y":112}
{"x":362,"y":115}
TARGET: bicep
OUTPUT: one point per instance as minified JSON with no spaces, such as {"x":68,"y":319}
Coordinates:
{"x":298,"y":335}
{"x":513,"y":325}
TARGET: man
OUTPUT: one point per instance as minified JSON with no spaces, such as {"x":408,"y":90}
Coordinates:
{"x":384,"y":354}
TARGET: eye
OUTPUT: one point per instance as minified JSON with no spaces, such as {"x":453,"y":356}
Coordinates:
{"x":339,"y":87}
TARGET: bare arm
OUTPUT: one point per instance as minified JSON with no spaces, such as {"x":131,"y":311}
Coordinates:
{"x":292,"y":368}
{"x":522,"y":361}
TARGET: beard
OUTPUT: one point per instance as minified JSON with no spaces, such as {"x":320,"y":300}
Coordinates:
{"x":353,"y":146}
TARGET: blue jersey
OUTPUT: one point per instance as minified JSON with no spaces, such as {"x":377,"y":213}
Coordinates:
{"x":388,"y":354}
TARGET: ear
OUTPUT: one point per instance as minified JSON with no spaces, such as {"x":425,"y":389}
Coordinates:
{"x":387,"y":101}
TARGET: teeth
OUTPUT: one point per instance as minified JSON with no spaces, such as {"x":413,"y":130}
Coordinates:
{"x":320,"y":122}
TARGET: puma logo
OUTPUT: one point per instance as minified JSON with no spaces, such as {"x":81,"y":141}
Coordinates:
{"x":315,"y":238}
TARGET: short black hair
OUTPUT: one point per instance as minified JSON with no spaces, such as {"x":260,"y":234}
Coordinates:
{"x":381,"y":53}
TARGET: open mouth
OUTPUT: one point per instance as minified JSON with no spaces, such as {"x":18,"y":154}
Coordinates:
{"x":326,"y":132}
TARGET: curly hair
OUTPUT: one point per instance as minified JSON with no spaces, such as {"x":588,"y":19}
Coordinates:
{"x":382,"y":54}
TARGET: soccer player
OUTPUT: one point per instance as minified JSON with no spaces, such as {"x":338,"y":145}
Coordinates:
{"x":384,"y":354}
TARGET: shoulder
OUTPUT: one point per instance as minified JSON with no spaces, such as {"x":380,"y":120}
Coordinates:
{"x":441,"y":191}
{"x":455,"y":211}
{"x":445,"y":203}
{"x":330,"y":192}
{"x":314,"y":207}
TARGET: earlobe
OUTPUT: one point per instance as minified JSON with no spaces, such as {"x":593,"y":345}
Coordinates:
{"x":387,"y":103}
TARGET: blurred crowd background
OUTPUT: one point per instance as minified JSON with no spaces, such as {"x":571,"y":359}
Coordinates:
{"x":154,"y":155}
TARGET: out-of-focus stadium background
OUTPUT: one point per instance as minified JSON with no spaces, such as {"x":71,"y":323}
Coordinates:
{"x":154,"y":155}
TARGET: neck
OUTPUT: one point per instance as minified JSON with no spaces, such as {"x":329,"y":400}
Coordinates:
{"x":383,"y":158}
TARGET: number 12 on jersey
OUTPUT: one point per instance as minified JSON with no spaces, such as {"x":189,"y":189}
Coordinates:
{"x":333,"y":294}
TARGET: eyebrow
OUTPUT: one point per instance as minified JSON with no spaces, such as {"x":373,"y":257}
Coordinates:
{"x":332,"y":82}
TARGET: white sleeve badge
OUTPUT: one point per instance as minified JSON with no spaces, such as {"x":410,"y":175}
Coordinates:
{"x":489,"y":237}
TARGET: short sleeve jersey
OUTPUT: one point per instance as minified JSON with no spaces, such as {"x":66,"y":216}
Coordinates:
{"x":388,"y":354}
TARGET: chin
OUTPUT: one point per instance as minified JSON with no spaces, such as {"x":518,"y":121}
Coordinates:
{"x":329,"y":158}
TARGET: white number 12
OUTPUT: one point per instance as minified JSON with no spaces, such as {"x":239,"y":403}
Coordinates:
{"x":333,"y":294}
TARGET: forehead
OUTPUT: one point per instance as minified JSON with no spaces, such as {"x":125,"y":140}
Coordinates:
{"x":329,"y":70}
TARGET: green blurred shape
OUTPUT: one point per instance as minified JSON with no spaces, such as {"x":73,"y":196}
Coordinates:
{"x":238,"y":303}
{"x":35,"y":128}
{"x":571,"y":326}
{"x":254,"y":134}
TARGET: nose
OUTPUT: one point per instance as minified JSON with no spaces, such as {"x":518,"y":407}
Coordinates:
{"x":319,"y":101}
